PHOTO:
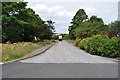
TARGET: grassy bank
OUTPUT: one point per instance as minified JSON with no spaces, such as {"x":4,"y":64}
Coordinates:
{"x":11,"y":51}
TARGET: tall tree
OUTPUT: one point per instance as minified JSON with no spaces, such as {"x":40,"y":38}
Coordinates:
{"x":10,"y":22}
{"x":23,"y":24}
{"x":50,"y":25}
{"x":79,"y":17}
{"x":90,"y":28}
{"x":50,"y":28}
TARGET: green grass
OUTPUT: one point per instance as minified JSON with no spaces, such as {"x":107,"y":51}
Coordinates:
{"x":71,"y":41}
{"x":18,"y":50}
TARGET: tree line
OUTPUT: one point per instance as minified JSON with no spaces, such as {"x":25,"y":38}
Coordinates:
{"x":23,"y":24}
{"x":82,"y":26}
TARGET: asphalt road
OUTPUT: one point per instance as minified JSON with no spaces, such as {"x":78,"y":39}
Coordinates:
{"x":64,"y":52}
{"x":63,"y":60}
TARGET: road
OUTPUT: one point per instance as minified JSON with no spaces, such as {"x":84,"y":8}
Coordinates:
{"x":64,"y":52}
{"x":63,"y":60}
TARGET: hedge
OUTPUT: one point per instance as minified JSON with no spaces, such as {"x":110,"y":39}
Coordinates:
{"x":77,"y":41}
{"x":100,"y":45}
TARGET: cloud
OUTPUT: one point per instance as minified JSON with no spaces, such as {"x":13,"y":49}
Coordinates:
{"x":45,"y":8}
{"x":72,"y":0}
{"x":90,"y":9}
{"x":60,"y":11}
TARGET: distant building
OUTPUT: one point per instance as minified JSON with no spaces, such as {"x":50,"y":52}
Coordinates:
{"x":119,"y":10}
{"x":56,"y":34}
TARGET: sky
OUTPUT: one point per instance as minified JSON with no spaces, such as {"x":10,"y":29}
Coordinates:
{"x":62,"y":11}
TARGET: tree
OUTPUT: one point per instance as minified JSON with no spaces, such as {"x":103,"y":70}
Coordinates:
{"x":90,"y":28}
{"x":23,"y":24}
{"x":50,"y":28}
{"x":115,"y":27}
{"x":10,"y":20}
{"x":50,"y":25}
{"x":35,"y":26}
{"x":95,"y":19}
{"x":79,"y":17}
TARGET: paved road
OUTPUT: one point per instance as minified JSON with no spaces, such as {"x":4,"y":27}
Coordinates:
{"x":79,"y":64}
{"x":64,"y":52}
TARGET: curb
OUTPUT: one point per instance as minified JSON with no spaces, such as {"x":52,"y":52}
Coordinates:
{"x":27,"y":57}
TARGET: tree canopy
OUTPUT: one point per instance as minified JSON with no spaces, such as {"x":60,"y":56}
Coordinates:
{"x":82,"y":25}
{"x":79,"y":17}
{"x":23,"y":24}
{"x":115,"y":27}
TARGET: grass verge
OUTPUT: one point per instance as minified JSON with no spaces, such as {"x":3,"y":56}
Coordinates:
{"x":71,"y":41}
{"x":11,"y":51}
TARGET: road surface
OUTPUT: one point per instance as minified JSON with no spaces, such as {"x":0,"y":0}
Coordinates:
{"x":64,"y":52}
{"x":63,"y":60}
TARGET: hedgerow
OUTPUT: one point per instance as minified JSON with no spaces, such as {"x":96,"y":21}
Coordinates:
{"x":77,"y":41}
{"x":100,"y":45}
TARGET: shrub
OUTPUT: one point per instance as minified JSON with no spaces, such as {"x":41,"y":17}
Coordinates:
{"x":100,"y":45}
{"x":96,"y":42}
{"x":84,"y":43}
{"x":110,"y":48}
{"x":81,"y":43}
{"x":77,"y":41}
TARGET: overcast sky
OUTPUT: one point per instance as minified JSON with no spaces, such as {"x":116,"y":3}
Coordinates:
{"x":62,"y":11}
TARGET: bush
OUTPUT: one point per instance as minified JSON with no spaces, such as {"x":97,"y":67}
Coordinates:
{"x":82,"y":43}
{"x":100,"y":45}
{"x":110,"y":48}
{"x":96,"y":42}
{"x":77,"y":41}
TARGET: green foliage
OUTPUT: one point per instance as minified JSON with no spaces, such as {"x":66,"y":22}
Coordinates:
{"x":50,"y":25}
{"x":110,"y":48}
{"x":72,"y":34}
{"x":100,"y":45}
{"x":77,"y":41}
{"x":55,"y":37}
{"x":79,"y":17}
{"x":115,"y":27}
{"x":22,"y":24}
{"x":71,"y":41}
{"x":95,"y":19}
{"x":12,"y":34}
{"x":66,"y":37}
{"x":96,"y":42}
{"x":81,"y":25}
{"x":82,"y":43}
{"x":90,"y":28}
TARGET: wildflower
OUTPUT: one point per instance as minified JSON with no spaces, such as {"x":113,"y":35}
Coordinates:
{"x":14,"y":43}
{"x":30,"y":42}
{"x":6,"y":58}
{"x":17,"y":45}
{"x":8,"y":42}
